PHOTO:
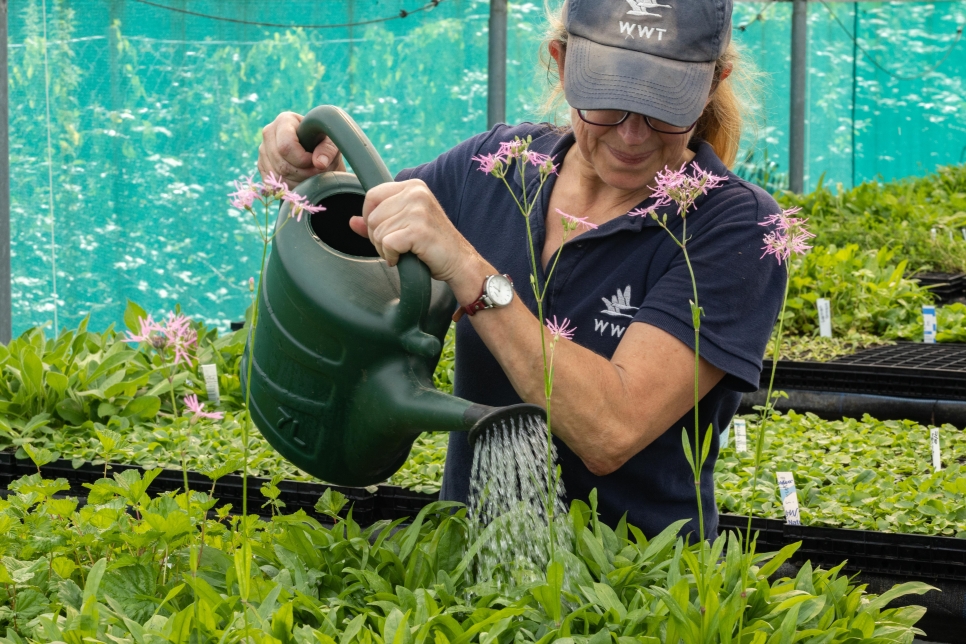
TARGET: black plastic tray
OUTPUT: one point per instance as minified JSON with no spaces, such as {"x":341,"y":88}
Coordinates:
{"x":945,"y":286}
{"x":907,"y":556}
{"x":905,"y":370}
{"x":296,"y":495}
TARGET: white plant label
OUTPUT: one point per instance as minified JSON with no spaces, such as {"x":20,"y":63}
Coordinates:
{"x":933,"y":233}
{"x":937,"y":463}
{"x":963,"y":230}
{"x":725,"y":436}
{"x":741,"y":435}
{"x":210,"y":372}
{"x":786,"y":486}
{"x":929,"y":326}
{"x":824,"y":317}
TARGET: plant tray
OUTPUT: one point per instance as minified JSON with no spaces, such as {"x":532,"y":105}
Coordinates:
{"x":296,"y":495}
{"x":904,"y":370}
{"x":904,"y":556}
{"x":945,"y":286}
{"x":907,"y":556}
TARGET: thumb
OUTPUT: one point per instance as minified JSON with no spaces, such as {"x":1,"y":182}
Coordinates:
{"x":324,"y":154}
{"x":358,"y":226}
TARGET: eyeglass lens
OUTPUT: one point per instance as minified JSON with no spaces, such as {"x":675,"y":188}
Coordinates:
{"x":616,"y":117}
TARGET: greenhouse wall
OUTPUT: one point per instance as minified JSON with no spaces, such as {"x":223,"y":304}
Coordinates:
{"x":127,"y":134}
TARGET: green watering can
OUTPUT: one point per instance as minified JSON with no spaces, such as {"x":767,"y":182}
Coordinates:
{"x":345,"y":345}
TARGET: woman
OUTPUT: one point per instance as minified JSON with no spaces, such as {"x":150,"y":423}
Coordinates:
{"x":648,"y":89}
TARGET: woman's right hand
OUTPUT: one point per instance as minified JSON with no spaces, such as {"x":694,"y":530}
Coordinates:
{"x":282,"y":154}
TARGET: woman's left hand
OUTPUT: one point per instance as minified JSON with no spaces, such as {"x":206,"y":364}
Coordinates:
{"x":405,"y":217}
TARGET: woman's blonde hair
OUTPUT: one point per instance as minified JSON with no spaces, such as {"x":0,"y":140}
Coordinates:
{"x":721,"y":122}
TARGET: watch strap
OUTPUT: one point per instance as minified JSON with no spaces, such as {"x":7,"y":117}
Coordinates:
{"x":479,"y":304}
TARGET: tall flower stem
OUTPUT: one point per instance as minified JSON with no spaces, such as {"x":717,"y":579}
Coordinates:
{"x":766,"y":411}
{"x":246,"y":428}
{"x":169,"y":376}
{"x":697,"y":463}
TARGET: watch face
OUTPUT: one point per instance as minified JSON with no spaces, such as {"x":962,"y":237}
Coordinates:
{"x":499,"y":290}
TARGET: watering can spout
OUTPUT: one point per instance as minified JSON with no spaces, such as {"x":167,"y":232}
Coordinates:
{"x":343,"y":355}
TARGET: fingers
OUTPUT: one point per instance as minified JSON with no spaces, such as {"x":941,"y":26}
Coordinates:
{"x":392,"y":214}
{"x":326,"y":156}
{"x":280,"y":152}
{"x":358,"y":226}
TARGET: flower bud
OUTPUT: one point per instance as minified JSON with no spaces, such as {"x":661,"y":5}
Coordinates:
{"x":251,"y":284}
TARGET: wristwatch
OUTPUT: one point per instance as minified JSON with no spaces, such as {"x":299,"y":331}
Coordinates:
{"x":497,"y":293}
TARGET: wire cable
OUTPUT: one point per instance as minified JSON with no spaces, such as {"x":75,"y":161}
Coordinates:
{"x":760,"y":17}
{"x":949,"y":52}
{"x":432,"y":4}
{"x":50,"y":169}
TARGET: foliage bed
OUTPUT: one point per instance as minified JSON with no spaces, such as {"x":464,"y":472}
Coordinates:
{"x":126,"y":567}
{"x":900,"y":215}
{"x":94,"y":398}
{"x":869,"y":242}
{"x":861,"y":474}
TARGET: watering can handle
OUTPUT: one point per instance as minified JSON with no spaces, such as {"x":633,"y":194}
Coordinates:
{"x":414,"y":277}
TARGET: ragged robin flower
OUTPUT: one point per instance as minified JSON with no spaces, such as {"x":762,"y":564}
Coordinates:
{"x":789,"y":235}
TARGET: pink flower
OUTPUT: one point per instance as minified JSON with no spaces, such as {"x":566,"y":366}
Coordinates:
{"x":490,"y":162}
{"x":300,"y":205}
{"x":561,"y":329}
{"x":246,"y":192}
{"x":148,"y":328}
{"x":197,"y":408}
{"x":650,"y":211}
{"x":682,"y":188}
{"x":276,"y":183}
{"x":573,"y":223}
{"x":789,"y":237}
{"x":180,"y":336}
{"x":535,"y":158}
{"x":514,"y":149}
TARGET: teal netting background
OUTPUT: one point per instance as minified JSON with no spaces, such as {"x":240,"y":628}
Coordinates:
{"x":154,"y":113}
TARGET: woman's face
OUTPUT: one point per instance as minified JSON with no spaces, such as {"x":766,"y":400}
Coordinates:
{"x":627,"y":156}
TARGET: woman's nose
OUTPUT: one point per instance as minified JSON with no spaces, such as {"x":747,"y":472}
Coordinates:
{"x":634,"y":130}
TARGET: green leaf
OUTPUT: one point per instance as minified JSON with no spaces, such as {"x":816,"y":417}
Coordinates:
{"x":549,"y":595}
{"x":32,"y":370}
{"x":908,"y":588}
{"x":243,"y":568}
{"x":142,"y":408}
{"x":40,"y":456}
{"x":331,"y":503}
{"x":133,"y":587}
{"x":780,"y":557}
{"x":57,"y":381}
{"x":133,"y":314}
{"x":94,"y":580}
{"x":72,"y":411}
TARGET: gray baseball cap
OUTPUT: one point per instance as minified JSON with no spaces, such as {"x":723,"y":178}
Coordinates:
{"x":653,"y":57}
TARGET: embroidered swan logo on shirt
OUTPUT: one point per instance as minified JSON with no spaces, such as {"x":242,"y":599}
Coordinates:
{"x":640,"y":7}
{"x":618,"y":304}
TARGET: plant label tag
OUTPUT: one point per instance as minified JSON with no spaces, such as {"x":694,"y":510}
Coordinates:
{"x":824,"y":317}
{"x":725,"y":437}
{"x":786,"y":486}
{"x":933,"y":234}
{"x":963,"y":230}
{"x":741,"y":435}
{"x":929,"y":326}
{"x":937,"y":463}
{"x":210,"y":372}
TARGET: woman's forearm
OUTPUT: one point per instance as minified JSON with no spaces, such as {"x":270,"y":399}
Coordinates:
{"x":606,"y":411}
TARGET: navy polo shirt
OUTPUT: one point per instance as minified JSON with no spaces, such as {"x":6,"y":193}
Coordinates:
{"x":628,"y":270}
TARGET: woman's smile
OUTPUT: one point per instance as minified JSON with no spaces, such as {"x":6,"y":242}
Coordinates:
{"x":629,"y":159}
